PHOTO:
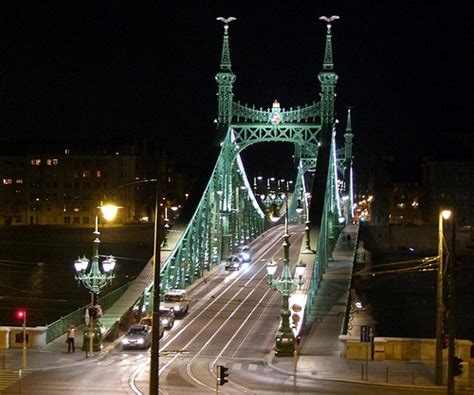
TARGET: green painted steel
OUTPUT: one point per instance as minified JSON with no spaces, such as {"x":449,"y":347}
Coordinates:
{"x":59,"y":327}
{"x":228,"y":213}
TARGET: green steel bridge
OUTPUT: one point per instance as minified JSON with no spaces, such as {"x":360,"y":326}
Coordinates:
{"x":229,"y":214}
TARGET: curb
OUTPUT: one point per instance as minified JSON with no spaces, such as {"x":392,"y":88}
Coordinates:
{"x":269,"y":358}
{"x":99,"y":356}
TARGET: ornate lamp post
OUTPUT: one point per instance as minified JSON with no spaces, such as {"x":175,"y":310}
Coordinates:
{"x":285,"y":339}
{"x":443,"y":215}
{"x":94,"y":274}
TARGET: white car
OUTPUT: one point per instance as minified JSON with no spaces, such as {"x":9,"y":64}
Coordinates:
{"x":138,"y":336}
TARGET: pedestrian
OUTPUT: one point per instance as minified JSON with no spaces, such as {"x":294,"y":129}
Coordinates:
{"x":70,"y":338}
{"x":348,"y":238}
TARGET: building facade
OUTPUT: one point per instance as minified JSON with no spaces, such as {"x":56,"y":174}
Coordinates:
{"x":63,"y":189}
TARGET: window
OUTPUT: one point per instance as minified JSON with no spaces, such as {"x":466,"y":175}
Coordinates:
{"x":76,"y":220}
{"x":85,"y":220}
{"x":98,"y":173}
{"x":86,"y":173}
{"x":67,"y":220}
{"x":35,"y":162}
{"x":19,"y":181}
{"x":7,"y":181}
{"x":76,"y":209}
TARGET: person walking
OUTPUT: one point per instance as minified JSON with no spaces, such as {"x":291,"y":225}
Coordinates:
{"x":70,"y":338}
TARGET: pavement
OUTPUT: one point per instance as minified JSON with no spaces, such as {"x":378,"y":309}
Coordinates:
{"x":320,"y":350}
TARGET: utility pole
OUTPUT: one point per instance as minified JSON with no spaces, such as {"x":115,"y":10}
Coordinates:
{"x":452,"y":309}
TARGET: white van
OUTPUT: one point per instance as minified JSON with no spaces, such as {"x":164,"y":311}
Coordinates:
{"x":176,"y":300}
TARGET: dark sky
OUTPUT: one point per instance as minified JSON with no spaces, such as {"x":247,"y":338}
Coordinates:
{"x":102,"y":71}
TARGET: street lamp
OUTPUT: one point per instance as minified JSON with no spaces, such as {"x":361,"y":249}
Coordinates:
{"x":94,"y":274}
{"x":285,"y":339}
{"x":166,"y":221}
{"x":443,"y":215}
{"x":307,"y":228}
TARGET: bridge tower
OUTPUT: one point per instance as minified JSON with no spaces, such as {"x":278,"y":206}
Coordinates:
{"x":349,"y":196}
{"x":328,"y":80}
{"x":225,"y":81}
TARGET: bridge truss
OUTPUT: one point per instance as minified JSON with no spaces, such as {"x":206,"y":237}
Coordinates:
{"x":229,"y":214}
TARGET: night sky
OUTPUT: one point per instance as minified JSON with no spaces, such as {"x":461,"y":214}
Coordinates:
{"x":111,"y":71}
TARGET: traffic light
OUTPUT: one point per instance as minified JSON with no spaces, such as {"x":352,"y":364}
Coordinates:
{"x":221,"y":374}
{"x":20,"y":314}
{"x":457,"y":367}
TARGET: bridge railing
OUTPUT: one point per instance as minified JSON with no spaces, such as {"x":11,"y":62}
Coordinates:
{"x":59,"y":327}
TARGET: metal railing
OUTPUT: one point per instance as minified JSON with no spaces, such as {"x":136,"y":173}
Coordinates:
{"x":59,"y":327}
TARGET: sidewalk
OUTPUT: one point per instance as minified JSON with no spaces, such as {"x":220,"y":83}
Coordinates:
{"x":54,"y":355}
{"x":320,"y":351}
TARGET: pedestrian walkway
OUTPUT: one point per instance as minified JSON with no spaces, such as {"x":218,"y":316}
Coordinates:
{"x":321,"y":352}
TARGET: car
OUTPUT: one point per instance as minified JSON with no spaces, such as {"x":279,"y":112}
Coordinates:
{"x":233,"y":263}
{"x":138,"y":337}
{"x":176,"y":300}
{"x":167,"y":318}
{"x":243,"y":251}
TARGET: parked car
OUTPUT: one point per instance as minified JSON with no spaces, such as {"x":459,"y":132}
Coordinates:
{"x":167,"y":318}
{"x":176,"y":300}
{"x":138,"y":336}
{"x":233,"y":263}
{"x":243,"y":251}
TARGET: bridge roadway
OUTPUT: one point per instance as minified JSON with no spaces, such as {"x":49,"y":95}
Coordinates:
{"x":232,"y":321}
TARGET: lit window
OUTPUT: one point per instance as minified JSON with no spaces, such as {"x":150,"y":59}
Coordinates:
{"x":19,"y":180}
{"x":67,"y":151}
{"x":7,"y":181}
{"x":49,"y":162}
{"x":86,"y":173}
{"x":55,"y":161}
{"x":98,"y":173}
{"x":35,"y":162}
{"x":76,"y":209}
{"x":401,"y":205}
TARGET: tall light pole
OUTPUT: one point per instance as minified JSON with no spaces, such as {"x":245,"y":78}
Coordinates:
{"x":285,"y":339}
{"x":93,"y":274}
{"x":443,"y":215}
{"x":451,"y":307}
{"x":155,"y":317}
{"x":307,"y":228}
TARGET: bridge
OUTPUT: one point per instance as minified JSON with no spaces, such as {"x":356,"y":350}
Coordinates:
{"x":229,"y":213}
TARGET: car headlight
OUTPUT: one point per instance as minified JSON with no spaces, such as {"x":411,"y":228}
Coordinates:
{"x":125,"y":341}
{"x":177,"y":308}
{"x":245,"y":256}
{"x":140,"y":341}
{"x":165,"y":321}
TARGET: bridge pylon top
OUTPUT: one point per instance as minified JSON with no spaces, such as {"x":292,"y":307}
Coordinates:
{"x":328,"y":63}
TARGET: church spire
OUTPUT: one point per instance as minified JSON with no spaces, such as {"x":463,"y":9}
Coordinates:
{"x":225,"y":79}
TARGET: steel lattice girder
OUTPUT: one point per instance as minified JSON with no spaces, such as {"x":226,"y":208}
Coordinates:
{"x":227,"y":215}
